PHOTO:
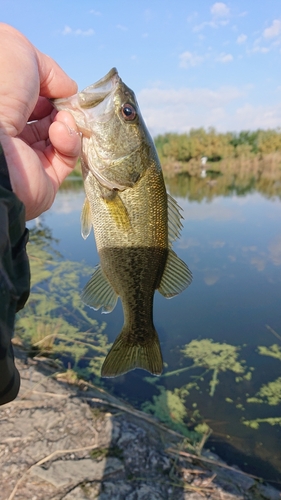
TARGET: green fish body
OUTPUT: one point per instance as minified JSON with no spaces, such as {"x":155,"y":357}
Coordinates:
{"x":135,"y":221}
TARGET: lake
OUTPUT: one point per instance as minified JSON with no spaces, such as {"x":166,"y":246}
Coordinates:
{"x":220,"y":338}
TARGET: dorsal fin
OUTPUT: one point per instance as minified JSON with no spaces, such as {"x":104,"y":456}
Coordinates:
{"x":174,"y":220}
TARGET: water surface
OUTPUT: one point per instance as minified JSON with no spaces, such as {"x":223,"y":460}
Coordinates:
{"x":232,"y":244}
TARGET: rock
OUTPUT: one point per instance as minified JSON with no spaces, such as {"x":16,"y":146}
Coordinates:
{"x":68,"y":472}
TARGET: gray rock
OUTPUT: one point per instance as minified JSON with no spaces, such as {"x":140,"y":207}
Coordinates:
{"x":66,"y":472}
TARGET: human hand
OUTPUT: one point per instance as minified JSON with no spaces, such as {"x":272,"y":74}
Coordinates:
{"x":42,"y":153}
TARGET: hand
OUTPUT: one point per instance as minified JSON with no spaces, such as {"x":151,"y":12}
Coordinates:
{"x":42,"y":153}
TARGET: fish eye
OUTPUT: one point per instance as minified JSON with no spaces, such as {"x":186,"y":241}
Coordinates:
{"x":128,"y":112}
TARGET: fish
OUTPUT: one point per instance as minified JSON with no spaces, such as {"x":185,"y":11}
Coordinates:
{"x":135,"y":220}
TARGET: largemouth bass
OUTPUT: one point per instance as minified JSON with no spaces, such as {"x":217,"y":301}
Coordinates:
{"x":135,"y":221}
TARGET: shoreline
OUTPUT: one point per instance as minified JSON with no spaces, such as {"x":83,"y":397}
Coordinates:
{"x":77,"y":442}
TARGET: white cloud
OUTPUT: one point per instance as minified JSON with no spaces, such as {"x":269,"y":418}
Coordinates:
{"x":258,"y":47}
{"x":220,"y":14}
{"x":220,"y":9}
{"x":187,"y":59}
{"x":225,"y":58}
{"x":69,"y":31}
{"x":262,"y":50}
{"x":226,"y":109}
{"x":254,"y":117}
{"x":241,"y":38}
{"x":274,"y":30}
{"x":166,"y":110}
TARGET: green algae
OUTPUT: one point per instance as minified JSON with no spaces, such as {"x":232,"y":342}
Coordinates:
{"x":55,"y":321}
{"x":270,"y":393}
{"x":214,"y":356}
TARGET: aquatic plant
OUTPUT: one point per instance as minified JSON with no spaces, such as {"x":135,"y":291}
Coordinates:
{"x":169,"y":408}
{"x":55,"y":321}
{"x":274,"y":351}
{"x":214,"y":356}
{"x":254,"y":424}
{"x":269,"y":393}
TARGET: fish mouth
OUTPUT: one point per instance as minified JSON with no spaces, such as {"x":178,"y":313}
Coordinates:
{"x":97,"y":100}
{"x":98,"y":92}
{"x":94,"y":103}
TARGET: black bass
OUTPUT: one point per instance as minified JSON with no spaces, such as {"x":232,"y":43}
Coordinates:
{"x":135,"y":221}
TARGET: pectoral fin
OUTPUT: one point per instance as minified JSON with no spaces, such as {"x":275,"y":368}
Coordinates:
{"x":176,"y":276}
{"x":86,"y":223}
{"x":99,"y":293}
{"x":118,"y":211}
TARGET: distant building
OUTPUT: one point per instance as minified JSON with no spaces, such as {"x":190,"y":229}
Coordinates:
{"x":203,"y":163}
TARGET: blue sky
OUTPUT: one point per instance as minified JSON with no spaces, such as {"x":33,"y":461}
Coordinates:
{"x":191,"y":63}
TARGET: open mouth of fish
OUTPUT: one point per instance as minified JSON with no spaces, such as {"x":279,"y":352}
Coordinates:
{"x":96,"y":100}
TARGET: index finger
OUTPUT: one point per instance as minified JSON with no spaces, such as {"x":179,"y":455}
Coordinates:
{"x":54,"y":82}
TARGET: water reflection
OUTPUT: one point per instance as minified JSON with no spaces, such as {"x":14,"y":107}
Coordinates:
{"x":231,"y":241}
{"x":235,"y":181}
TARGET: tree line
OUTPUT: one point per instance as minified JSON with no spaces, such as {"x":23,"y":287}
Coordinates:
{"x":217,"y":146}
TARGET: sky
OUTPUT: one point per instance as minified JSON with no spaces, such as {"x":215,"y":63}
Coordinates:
{"x":191,"y":63}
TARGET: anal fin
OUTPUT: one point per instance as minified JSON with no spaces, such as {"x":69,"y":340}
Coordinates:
{"x":176,"y":277}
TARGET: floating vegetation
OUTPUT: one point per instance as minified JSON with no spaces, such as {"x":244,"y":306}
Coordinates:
{"x":55,"y":321}
{"x":254,"y":424}
{"x":274,"y":351}
{"x":170,"y":405}
{"x":214,"y":356}
{"x":269,"y":393}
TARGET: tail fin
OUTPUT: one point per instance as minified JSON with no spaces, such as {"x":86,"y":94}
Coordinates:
{"x":127,"y":354}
